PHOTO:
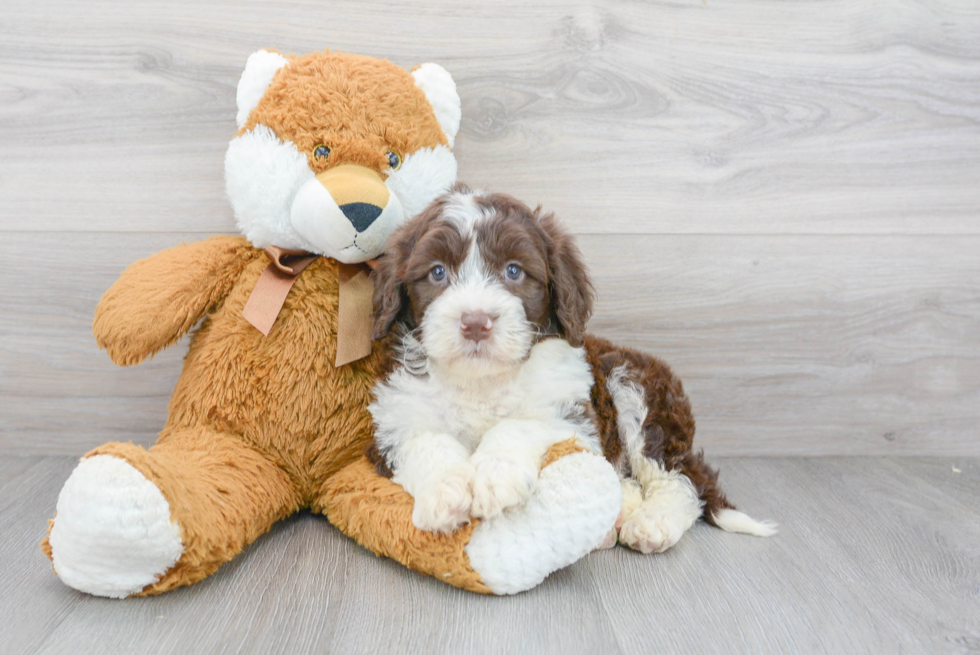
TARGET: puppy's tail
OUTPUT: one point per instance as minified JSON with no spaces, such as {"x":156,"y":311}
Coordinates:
{"x":732,"y":520}
{"x":718,"y":511}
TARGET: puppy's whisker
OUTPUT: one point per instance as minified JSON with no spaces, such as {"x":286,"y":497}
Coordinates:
{"x":411,"y":353}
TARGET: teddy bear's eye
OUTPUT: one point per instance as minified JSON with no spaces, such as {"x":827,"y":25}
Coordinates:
{"x":394,"y":161}
{"x":321,"y":152}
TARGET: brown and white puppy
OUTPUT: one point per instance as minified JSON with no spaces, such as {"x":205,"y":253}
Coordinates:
{"x":492,"y":300}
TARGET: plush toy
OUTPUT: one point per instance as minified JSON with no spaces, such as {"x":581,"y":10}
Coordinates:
{"x":269,"y":415}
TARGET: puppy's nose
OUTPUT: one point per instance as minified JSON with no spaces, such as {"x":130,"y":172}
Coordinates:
{"x":476,"y":326}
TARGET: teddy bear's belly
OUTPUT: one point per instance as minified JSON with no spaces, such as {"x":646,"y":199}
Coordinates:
{"x":282,"y":392}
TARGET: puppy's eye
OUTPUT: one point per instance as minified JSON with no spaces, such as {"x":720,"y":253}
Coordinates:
{"x":394,"y":161}
{"x":438,"y":273}
{"x":321,"y":152}
{"x":514,"y":272}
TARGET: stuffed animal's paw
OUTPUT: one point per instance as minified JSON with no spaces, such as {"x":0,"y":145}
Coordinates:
{"x":573,"y":505}
{"x":445,"y":505}
{"x":112,"y":535}
{"x":501,"y":483}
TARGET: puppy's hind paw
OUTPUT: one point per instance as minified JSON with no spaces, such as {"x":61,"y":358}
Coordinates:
{"x":444,"y":506}
{"x":650,"y":530}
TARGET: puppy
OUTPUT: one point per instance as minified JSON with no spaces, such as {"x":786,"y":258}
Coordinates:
{"x":491,"y":300}
{"x":492,"y":303}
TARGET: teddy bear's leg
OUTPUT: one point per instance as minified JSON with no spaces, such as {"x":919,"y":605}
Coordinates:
{"x":134,"y":521}
{"x":571,"y":510}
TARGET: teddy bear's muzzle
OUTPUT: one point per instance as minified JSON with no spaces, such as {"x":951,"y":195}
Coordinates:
{"x":347,"y":212}
{"x":360,"y":193}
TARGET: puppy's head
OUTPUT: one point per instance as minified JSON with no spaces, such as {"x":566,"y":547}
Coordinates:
{"x":482,"y":277}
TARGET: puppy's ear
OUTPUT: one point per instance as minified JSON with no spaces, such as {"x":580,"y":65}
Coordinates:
{"x":389,"y":294}
{"x":391,"y":302}
{"x":572,"y":293}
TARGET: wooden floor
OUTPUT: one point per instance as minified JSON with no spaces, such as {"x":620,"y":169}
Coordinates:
{"x":875,"y":555}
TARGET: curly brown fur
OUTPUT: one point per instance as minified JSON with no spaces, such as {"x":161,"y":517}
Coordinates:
{"x":669,"y":425}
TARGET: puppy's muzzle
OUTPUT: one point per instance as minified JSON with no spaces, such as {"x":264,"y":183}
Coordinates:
{"x":360,"y":193}
{"x":476,"y":326}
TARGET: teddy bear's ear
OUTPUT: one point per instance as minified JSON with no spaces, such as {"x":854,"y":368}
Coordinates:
{"x":260,"y":68}
{"x":440,"y":89}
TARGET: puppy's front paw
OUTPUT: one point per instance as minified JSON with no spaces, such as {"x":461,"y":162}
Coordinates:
{"x":445,"y":505}
{"x":501,"y":483}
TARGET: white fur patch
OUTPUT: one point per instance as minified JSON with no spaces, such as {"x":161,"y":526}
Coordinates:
{"x":433,"y":428}
{"x":632,"y":498}
{"x":732,"y":520}
{"x":316,"y":217}
{"x":570,"y":512}
{"x":444,"y":503}
{"x":668,"y":502}
{"x":631,"y":411}
{"x":440,"y":90}
{"x":670,"y":507}
{"x":260,"y":70}
{"x":424,"y":176}
{"x":554,"y":378}
{"x":113,"y":534}
{"x":504,"y":476}
{"x":262,"y":177}
{"x":475,"y":291}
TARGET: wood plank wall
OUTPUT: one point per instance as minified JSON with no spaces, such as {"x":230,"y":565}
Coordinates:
{"x":780,"y":198}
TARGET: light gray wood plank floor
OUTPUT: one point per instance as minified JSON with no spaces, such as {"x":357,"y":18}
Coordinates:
{"x":875,"y":555}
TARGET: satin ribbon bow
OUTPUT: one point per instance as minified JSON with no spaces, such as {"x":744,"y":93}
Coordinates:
{"x":353,"y":311}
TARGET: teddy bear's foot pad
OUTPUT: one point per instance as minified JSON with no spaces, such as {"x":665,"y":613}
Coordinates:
{"x":112,"y":535}
{"x":573,"y":507}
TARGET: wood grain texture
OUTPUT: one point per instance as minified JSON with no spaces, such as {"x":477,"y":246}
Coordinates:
{"x":787,"y":344}
{"x":874,"y":555}
{"x":780,"y":199}
{"x":721,"y":116}
{"x":798,"y":345}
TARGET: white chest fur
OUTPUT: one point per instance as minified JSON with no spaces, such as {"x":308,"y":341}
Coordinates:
{"x":472,"y":446}
{"x":550,"y":387}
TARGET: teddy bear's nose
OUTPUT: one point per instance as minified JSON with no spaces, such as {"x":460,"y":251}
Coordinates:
{"x":359,"y":192}
{"x":361,"y":214}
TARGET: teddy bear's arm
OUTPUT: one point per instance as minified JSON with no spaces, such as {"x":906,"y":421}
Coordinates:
{"x":158,"y":299}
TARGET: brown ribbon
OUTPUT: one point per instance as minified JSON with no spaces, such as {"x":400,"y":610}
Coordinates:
{"x":354,"y":307}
